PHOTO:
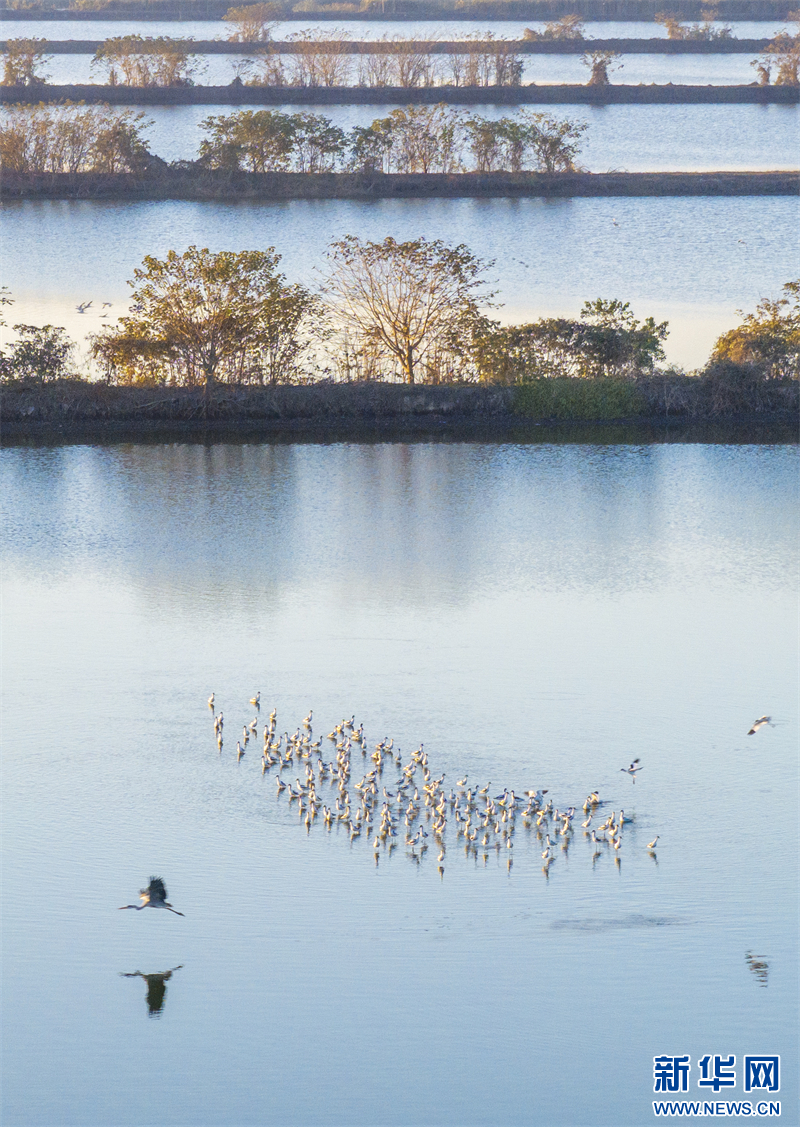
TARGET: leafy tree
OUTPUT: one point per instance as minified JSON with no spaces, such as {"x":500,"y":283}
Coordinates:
{"x":615,"y":343}
{"x":769,"y":339}
{"x":134,"y":61}
{"x":72,"y":138}
{"x":607,"y":341}
{"x":412,"y":306}
{"x":601,"y":63}
{"x":512,"y":143}
{"x":252,"y":23}
{"x":783,"y":54}
{"x":706,"y":30}
{"x":198,"y":317}
{"x":271,"y":141}
{"x":256,"y":140}
{"x":40,"y":354}
{"x":22,"y":60}
{"x":568,"y":27}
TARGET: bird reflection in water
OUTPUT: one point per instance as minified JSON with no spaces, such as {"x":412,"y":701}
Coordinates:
{"x":759,"y":967}
{"x":156,"y":988}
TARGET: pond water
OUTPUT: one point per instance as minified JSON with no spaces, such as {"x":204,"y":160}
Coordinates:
{"x":352,"y":29}
{"x":691,"y":261}
{"x":691,"y":70}
{"x":539,"y":616}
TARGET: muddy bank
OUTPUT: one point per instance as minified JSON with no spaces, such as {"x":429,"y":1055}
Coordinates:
{"x":72,"y":411}
{"x":194,"y":184}
{"x":443,"y":46}
{"x":378,"y":10}
{"x":395,"y":95}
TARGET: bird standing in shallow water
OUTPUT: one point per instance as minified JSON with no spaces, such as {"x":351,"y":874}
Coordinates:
{"x":154,"y":896}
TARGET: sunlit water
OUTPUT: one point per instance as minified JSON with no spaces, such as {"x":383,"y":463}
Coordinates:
{"x":353,"y":29}
{"x":691,"y":70}
{"x":691,"y":261}
{"x":538,"y":616}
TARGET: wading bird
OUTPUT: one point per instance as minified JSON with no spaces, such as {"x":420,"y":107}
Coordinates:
{"x":632,"y":769}
{"x":652,"y":844}
{"x":154,"y":896}
{"x":760,"y":723}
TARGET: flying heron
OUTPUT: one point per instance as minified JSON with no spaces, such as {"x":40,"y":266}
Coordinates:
{"x":154,"y":896}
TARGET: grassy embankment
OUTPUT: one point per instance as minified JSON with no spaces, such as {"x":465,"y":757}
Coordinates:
{"x":68,"y":406}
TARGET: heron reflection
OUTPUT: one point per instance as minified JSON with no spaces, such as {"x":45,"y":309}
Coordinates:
{"x":156,"y":988}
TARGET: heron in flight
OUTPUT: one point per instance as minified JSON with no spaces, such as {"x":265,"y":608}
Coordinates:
{"x":760,"y":723}
{"x":154,"y":896}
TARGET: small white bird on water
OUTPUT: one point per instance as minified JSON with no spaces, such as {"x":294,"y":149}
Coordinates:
{"x":154,"y":896}
{"x":762,"y":722}
{"x":652,"y":844}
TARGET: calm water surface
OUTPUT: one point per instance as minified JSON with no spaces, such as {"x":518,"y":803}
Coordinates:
{"x":538,"y":616}
{"x":352,"y":29}
{"x":691,"y":261}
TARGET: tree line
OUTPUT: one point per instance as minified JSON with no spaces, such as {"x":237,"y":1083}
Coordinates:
{"x":417,"y":311}
{"x":76,"y":138}
{"x":424,"y":139}
{"x":72,"y":137}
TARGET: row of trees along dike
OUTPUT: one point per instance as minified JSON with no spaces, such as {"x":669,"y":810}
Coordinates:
{"x":428,"y":139}
{"x":318,"y":61}
{"x":162,"y":62}
{"x":415,"y":312}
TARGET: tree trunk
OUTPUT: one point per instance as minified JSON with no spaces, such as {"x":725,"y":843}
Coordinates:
{"x":408,"y":364}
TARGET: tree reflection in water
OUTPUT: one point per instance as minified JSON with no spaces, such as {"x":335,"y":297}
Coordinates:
{"x":156,"y":988}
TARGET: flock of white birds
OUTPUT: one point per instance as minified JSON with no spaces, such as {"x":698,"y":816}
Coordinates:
{"x":415,"y":809}
{"x":418,"y":809}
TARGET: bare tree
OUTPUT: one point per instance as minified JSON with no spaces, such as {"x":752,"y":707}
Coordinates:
{"x":375,"y":70}
{"x":601,"y":62}
{"x":413,"y":305}
{"x":319,"y":61}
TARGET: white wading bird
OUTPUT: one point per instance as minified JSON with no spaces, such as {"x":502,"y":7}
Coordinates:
{"x":632,"y":769}
{"x":154,"y":896}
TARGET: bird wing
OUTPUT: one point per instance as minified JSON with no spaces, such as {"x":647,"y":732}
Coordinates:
{"x":157,"y":890}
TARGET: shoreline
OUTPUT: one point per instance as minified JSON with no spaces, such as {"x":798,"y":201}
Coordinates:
{"x":572,"y":94}
{"x":72,"y":412}
{"x":217,"y":185}
{"x":777,"y":429}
